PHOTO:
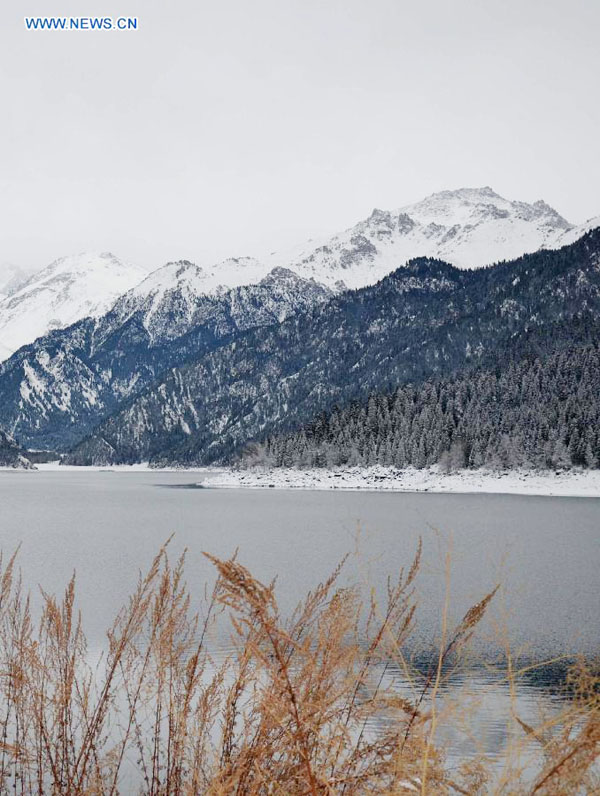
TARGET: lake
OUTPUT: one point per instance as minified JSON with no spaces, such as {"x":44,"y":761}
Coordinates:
{"x":545,"y":553}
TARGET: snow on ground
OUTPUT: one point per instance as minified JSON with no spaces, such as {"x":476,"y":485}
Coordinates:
{"x":519,"y":482}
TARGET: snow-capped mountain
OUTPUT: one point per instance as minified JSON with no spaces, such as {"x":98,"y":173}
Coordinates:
{"x":60,"y":294}
{"x":423,"y":321}
{"x":56,"y":389}
{"x":180,"y":296}
{"x":170,"y":299}
{"x":468,"y":228}
{"x":235,"y":272}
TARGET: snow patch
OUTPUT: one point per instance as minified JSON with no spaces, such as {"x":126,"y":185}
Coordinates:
{"x":388,"y":479}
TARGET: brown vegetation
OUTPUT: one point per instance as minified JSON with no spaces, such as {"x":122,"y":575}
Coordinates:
{"x":298,"y":708}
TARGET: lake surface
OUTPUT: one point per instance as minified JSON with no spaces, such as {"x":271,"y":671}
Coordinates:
{"x":544,"y":551}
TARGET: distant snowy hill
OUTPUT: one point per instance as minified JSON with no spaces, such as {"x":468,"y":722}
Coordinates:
{"x":65,"y":291}
{"x":469,"y":228}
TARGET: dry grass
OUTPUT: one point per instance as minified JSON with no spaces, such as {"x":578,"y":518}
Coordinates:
{"x":296,"y":709}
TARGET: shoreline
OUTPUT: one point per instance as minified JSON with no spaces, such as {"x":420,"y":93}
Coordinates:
{"x":541,"y":483}
{"x":387,"y":479}
{"x":140,"y":467}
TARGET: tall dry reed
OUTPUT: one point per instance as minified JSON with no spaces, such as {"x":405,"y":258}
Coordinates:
{"x":301,"y":706}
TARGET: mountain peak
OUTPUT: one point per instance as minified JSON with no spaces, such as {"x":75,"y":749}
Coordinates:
{"x":467,"y":227}
{"x":181,"y":264}
{"x":469,"y":194}
{"x":279,"y":273}
{"x":81,"y":260}
{"x":380,"y":215}
{"x":280,"y":276}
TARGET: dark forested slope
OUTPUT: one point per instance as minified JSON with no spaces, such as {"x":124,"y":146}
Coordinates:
{"x":534,"y":412}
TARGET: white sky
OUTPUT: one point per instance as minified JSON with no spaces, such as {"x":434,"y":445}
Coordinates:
{"x":233,"y":126}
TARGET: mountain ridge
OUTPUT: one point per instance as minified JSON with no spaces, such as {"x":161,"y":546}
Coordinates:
{"x":468,"y":227}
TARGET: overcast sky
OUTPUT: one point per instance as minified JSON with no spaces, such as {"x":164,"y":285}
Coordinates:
{"x":235,"y":126}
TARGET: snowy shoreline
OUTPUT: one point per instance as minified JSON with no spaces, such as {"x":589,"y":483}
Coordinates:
{"x":516,"y":482}
{"x":550,"y":483}
{"x":140,"y":467}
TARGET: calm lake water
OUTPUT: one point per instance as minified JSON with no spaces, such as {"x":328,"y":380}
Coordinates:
{"x":545,"y":552}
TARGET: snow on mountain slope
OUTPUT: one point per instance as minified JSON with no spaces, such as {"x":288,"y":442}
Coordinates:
{"x":176,"y":297}
{"x":5,"y":353}
{"x":194,"y":280}
{"x":11,"y":279}
{"x":58,"y":387}
{"x":169,"y":298}
{"x":65,"y":291}
{"x":235,"y":272}
{"x":469,"y":228}
{"x":420,"y":322}
{"x":571,"y":235}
